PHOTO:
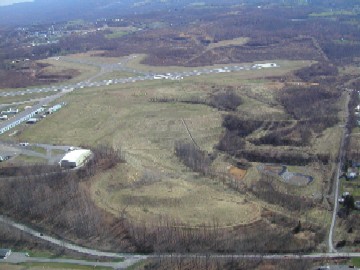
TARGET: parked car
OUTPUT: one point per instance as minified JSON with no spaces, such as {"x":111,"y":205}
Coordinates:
{"x":24,"y":144}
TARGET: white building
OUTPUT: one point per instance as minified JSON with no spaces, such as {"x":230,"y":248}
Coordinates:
{"x":75,"y":158}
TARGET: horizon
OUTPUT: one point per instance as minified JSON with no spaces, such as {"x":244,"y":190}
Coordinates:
{"x":4,"y":3}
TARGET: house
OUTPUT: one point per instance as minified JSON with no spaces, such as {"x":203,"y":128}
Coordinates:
{"x":351,"y":175}
{"x":4,"y":253}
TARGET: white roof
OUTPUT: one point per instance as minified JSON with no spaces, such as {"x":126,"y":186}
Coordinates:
{"x":74,"y":155}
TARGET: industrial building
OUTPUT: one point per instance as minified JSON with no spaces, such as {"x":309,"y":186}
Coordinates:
{"x":75,"y":158}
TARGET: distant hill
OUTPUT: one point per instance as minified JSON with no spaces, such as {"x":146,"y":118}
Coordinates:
{"x":43,"y":11}
{"x":47,"y":11}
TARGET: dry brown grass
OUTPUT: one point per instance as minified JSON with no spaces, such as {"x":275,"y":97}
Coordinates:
{"x":86,"y":71}
{"x":191,"y":203}
{"x":123,"y":116}
{"x":232,"y":42}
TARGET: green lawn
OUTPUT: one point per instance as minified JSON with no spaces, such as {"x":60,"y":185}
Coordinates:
{"x":28,"y":159}
{"x":355,"y":262}
{"x":116,"y":34}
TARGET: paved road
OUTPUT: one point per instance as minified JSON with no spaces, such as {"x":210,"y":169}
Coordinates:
{"x":34,"y":108}
{"x":104,"y":68}
{"x":20,"y":257}
{"x":13,"y":149}
{"x":94,"y":252}
{"x":129,"y":259}
{"x":337,"y":176}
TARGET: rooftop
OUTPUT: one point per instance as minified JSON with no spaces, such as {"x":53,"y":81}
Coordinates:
{"x":75,"y":154}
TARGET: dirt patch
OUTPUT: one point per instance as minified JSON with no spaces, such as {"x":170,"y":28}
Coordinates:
{"x":237,"y":173}
{"x":34,"y":74}
{"x":296,"y":179}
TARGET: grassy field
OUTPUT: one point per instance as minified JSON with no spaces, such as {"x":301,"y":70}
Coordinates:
{"x":86,"y":71}
{"x":117,"y":32}
{"x":115,"y":74}
{"x":284,"y":67}
{"x":189,"y":202}
{"x":154,"y":184}
{"x":231,"y":42}
{"x":146,"y":131}
{"x":94,"y":58}
{"x":332,"y":13}
{"x":28,"y":159}
{"x":26,"y":98}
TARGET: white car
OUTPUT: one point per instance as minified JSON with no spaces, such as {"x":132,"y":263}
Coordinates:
{"x":24,"y":144}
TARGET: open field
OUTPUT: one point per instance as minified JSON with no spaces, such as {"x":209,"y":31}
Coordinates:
{"x":231,"y":42}
{"x":154,"y":185}
{"x":285,"y":66}
{"x":28,"y":159}
{"x":26,"y":98}
{"x":191,"y":203}
{"x":115,"y":74}
{"x":86,"y":71}
{"x":117,"y":32}
{"x":146,"y":131}
{"x":93,"y":56}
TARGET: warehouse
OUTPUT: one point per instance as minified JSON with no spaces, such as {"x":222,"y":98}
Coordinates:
{"x":75,"y":158}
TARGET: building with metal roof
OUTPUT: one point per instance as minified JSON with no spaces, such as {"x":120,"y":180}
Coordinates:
{"x":75,"y":158}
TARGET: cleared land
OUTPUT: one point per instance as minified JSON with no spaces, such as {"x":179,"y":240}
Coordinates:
{"x":285,"y":66}
{"x":26,"y":98}
{"x":86,"y":71}
{"x":231,"y":42}
{"x":191,"y":203}
{"x":154,"y":183}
